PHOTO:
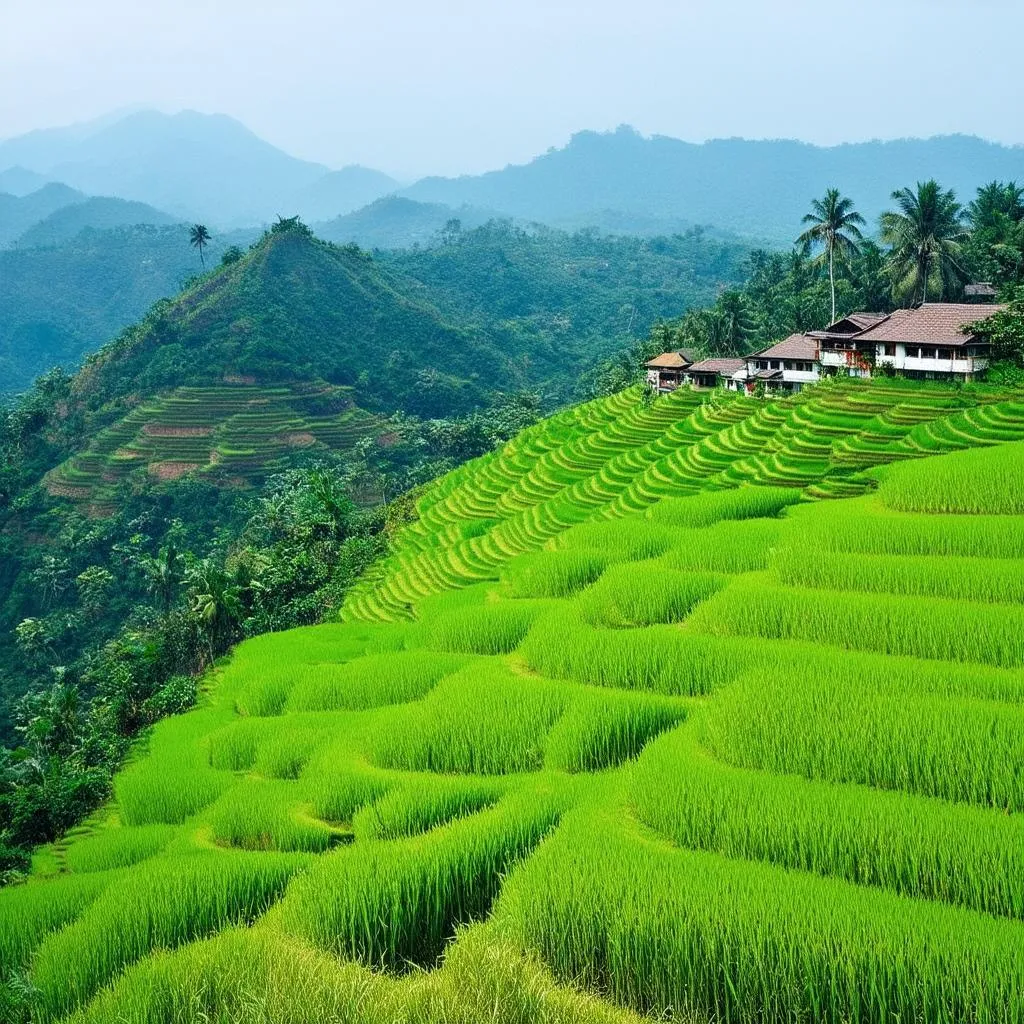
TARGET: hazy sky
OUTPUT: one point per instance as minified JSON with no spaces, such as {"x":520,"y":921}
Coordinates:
{"x":422,"y":86}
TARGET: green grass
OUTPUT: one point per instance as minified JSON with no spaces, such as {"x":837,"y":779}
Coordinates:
{"x":708,"y":708}
{"x":964,"y":482}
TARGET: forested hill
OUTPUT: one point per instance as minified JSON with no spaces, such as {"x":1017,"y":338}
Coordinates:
{"x":566,"y":301}
{"x":108,"y":279}
{"x":295,"y":308}
{"x":547,"y":297}
{"x":756,"y":188}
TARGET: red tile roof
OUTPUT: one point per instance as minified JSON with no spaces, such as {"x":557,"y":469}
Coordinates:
{"x":796,"y":346}
{"x":726,"y":367}
{"x":935,"y":323}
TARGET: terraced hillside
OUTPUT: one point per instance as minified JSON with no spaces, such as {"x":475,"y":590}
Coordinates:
{"x":236,"y":432}
{"x":632,"y":721}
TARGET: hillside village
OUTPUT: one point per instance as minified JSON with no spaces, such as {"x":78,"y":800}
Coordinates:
{"x":934,"y":341}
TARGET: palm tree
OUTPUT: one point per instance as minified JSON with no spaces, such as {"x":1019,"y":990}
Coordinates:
{"x":834,"y":225}
{"x":925,"y":233}
{"x":200,"y":238}
{"x":996,"y":204}
{"x":163,"y":574}
{"x":215,"y":599}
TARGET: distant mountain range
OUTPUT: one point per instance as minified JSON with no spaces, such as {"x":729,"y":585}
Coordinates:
{"x":211,"y":168}
{"x":195,"y":166}
{"x":757,"y":189}
{"x":395,"y":222}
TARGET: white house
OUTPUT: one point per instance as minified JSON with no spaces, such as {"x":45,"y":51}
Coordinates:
{"x":786,"y":366}
{"x":840,"y":347}
{"x":931,"y":342}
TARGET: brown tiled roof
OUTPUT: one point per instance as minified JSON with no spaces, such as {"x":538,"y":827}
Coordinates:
{"x":936,"y":323}
{"x":726,"y":367}
{"x":671,"y":361}
{"x":849,"y":326}
{"x":796,"y":346}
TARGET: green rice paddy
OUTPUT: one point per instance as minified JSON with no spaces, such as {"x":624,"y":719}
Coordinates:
{"x":235,"y":433}
{"x":708,"y":709}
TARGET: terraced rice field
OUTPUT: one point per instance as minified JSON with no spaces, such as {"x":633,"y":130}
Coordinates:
{"x":235,"y":433}
{"x":708,"y":709}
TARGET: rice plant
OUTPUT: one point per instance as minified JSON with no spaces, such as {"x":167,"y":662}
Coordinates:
{"x":841,"y":728}
{"x":169,"y":903}
{"x":924,"y":627}
{"x":665,"y":930}
{"x":644,"y":704}
{"x":485,"y":719}
{"x":645,"y":593}
{"x":268,"y":814}
{"x":148,"y":794}
{"x":662,"y":659}
{"x":422,"y":804}
{"x":117,"y":847}
{"x":553,"y":573}
{"x":999,"y":580}
{"x":396,"y":903}
{"x":371,"y":681}
{"x":29,"y":912}
{"x":987,"y":481}
{"x":916,"y":846}
{"x":602,"y":729}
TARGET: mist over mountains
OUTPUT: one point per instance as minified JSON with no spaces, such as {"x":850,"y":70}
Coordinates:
{"x":211,"y":168}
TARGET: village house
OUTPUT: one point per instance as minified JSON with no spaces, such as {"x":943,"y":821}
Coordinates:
{"x":926,"y":343}
{"x":666,"y":372}
{"x":714,"y":373}
{"x":840,"y":347}
{"x":786,"y":366}
{"x":930,"y":343}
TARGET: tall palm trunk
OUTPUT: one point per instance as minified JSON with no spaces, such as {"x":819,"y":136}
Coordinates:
{"x":832,"y":277}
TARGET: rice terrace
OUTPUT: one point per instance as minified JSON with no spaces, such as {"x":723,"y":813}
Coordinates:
{"x":704,"y":707}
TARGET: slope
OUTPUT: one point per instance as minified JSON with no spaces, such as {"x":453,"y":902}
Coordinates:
{"x":397,"y":223}
{"x":340,"y":192}
{"x":296,"y":308}
{"x":196,"y":166}
{"x":109,"y":279}
{"x":630,"y":710}
{"x":97,"y":213}
{"x":578,"y":296}
{"x":18,"y":214}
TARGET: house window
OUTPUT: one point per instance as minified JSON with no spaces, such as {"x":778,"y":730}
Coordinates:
{"x":889,"y":350}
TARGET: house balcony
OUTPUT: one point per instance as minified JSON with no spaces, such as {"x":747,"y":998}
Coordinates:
{"x":836,"y":358}
{"x":959,"y":364}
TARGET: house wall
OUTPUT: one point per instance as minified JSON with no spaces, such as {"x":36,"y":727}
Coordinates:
{"x":959,"y":364}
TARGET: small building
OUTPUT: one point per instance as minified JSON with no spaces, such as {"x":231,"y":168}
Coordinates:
{"x":840,"y":348}
{"x":930,"y":343}
{"x":980,"y":292}
{"x":786,"y":366}
{"x":666,"y":372}
{"x":714,"y":373}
